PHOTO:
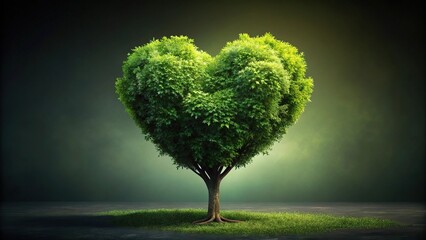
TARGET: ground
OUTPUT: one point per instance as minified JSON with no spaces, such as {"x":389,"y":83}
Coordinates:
{"x":78,"y":220}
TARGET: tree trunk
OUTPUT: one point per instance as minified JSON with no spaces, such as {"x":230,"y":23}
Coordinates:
{"x":213,"y":213}
{"x":212,"y":177}
{"x":214,"y":200}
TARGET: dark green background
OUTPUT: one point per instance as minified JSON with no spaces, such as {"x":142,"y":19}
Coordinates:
{"x":65,"y":136}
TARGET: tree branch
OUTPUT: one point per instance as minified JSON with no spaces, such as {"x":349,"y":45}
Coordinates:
{"x":214,"y":172}
{"x":208,"y":175}
{"x":227,"y":170}
{"x":197,"y":169}
{"x":202,"y":171}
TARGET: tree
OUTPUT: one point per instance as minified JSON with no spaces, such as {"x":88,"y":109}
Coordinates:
{"x":213,"y":114}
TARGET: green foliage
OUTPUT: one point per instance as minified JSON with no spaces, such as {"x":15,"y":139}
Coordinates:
{"x":218,"y":111}
{"x":253,"y":223}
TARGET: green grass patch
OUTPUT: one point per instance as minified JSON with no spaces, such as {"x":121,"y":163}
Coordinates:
{"x":254,"y":223}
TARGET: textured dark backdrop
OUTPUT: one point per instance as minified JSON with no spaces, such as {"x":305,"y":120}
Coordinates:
{"x":65,"y":136}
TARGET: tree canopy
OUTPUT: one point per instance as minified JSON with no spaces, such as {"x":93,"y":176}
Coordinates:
{"x":214,"y":111}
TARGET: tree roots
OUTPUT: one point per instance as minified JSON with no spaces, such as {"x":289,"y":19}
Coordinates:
{"x":218,"y":219}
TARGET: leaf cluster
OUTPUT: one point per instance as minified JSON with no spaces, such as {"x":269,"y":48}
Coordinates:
{"x":219,"y":111}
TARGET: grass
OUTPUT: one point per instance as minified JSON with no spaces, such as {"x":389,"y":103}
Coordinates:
{"x":254,"y":223}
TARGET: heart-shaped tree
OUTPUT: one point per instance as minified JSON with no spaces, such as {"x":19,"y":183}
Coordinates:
{"x":214,"y":114}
